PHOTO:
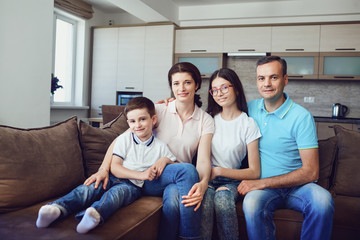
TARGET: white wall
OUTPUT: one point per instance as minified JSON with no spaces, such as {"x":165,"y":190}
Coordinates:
{"x":25,"y":62}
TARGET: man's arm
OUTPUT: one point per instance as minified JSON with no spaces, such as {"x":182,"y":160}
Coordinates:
{"x":309,"y":172}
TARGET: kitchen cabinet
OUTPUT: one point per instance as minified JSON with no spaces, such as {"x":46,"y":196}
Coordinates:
{"x":104,"y":68}
{"x":159,"y":48}
{"x":208,"y":40}
{"x":340,"y":37}
{"x":247,"y":39}
{"x":295,"y":38}
{"x":131,"y":59}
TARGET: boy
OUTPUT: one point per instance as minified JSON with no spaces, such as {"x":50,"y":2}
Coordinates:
{"x":136,"y":155}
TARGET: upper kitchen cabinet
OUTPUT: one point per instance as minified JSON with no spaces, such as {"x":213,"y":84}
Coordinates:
{"x":208,"y":40}
{"x":341,"y":37}
{"x":247,"y":39}
{"x":159,"y":49}
{"x":295,"y":38}
{"x":104,"y":67}
{"x":131,"y":59}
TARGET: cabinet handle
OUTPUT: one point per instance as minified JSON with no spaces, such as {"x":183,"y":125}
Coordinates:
{"x":345,"y":49}
{"x":198,"y":50}
{"x":294,"y":49}
{"x":246,"y":50}
{"x":297,"y":76}
{"x":349,"y":77}
{"x":129,"y":88}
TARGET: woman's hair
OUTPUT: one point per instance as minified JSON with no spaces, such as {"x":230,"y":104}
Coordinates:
{"x":232,"y":77}
{"x":186,"y":67}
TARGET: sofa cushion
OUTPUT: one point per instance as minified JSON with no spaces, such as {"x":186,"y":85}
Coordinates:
{"x":95,"y":141}
{"x":327,"y":155}
{"x":347,"y":168}
{"x":38,"y":164}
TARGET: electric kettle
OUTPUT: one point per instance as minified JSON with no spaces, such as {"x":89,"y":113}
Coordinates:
{"x":339,"y":110}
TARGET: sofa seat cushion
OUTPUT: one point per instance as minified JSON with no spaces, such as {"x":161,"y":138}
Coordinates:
{"x":139,"y":220}
{"x":347,"y":168}
{"x":38,"y":164}
{"x":95,"y":141}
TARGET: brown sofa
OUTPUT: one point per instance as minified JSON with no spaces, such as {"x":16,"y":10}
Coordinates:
{"x":38,"y":165}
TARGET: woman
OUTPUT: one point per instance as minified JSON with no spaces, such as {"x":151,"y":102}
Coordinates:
{"x":235,"y":136}
{"x":186,"y":129}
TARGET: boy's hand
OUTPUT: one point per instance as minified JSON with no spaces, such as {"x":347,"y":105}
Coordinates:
{"x":149,"y":174}
{"x":166,"y":101}
{"x":160,"y":165}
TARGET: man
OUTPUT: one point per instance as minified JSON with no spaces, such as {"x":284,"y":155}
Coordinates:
{"x":289,"y":161}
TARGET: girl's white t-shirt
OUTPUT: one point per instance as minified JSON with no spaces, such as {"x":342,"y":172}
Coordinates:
{"x":229,"y":143}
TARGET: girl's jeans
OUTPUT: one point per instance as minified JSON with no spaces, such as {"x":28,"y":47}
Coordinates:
{"x":314,"y":202}
{"x":118,"y":193}
{"x":222,"y":203}
{"x":176,"y":180}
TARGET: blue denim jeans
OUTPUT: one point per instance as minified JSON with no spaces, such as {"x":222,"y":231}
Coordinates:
{"x":118,"y":193}
{"x":177,"y":220}
{"x":314,"y":202}
{"x":222,"y":203}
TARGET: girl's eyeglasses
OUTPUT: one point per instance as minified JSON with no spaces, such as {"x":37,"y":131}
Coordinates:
{"x":223,"y":89}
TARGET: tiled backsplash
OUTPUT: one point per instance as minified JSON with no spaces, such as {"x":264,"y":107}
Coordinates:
{"x":325,"y":92}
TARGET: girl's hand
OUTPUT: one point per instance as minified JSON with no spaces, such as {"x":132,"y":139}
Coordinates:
{"x":101,"y":176}
{"x":215,"y":172}
{"x":194,"y":197}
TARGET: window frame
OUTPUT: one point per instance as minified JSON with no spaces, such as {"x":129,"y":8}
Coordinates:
{"x":74,"y":22}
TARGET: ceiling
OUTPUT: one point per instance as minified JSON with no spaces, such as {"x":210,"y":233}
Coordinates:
{"x":200,"y":13}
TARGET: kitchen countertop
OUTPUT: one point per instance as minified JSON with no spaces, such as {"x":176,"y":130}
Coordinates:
{"x":337,"y":120}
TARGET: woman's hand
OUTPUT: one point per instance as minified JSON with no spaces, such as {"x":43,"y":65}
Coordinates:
{"x":195,"y":196}
{"x":98,"y":177}
{"x":166,"y":101}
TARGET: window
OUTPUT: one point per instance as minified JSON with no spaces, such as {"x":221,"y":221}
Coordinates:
{"x":64,"y":58}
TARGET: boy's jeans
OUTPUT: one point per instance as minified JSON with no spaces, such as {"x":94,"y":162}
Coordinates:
{"x":222,"y":203}
{"x":118,"y":193}
{"x":176,"y":180}
{"x":314,"y":202}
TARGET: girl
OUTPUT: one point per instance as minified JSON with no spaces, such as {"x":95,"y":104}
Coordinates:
{"x":235,"y":135}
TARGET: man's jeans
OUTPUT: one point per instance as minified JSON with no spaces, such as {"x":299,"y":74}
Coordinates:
{"x":314,"y":202}
{"x":118,"y":193}
{"x":222,"y":203}
{"x":176,"y":180}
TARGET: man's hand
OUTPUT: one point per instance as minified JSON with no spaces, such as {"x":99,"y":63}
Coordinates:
{"x":98,"y":177}
{"x":249,"y":185}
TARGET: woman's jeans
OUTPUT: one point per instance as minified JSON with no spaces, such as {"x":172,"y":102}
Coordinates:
{"x":222,"y":203}
{"x":118,"y":193}
{"x":314,"y":202}
{"x":176,"y":181}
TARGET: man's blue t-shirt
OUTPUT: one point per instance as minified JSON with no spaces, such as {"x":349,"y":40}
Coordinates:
{"x":284,"y":131}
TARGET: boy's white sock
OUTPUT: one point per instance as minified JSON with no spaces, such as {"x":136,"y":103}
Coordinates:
{"x":47,"y":214}
{"x":89,"y":221}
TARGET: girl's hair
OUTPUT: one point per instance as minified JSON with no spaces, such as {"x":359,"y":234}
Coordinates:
{"x":232,"y":77}
{"x":186,"y":67}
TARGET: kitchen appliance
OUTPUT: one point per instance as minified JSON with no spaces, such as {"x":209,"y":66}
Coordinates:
{"x":339,"y":110}
{"x":122,"y":98}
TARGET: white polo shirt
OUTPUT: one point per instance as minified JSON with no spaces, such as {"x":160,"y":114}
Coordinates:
{"x":138,"y":155}
{"x":181,"y":137}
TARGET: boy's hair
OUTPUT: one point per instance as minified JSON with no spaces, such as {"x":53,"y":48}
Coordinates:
{"x":139,"y":103}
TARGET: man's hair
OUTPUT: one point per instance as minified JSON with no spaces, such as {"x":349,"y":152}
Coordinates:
{"x":139,"y":103}
{"x":268,"y":59}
